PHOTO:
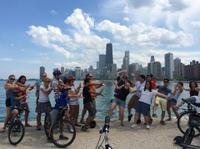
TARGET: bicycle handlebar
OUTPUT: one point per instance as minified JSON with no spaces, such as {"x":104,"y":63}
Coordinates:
{"x":191,"y":101}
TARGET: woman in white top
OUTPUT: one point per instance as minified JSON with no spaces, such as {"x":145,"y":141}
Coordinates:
{"x":143,"y":106}
{"x":44,"y":105}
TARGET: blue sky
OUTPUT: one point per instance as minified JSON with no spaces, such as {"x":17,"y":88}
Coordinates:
{"x":71,"y":33}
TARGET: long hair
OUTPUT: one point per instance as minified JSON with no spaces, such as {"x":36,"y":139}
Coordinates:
{"x":190,"y":84}
{"x":20,"y":79}
{"x":150,"y":89}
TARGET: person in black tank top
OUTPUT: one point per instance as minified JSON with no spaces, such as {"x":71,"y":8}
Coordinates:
{"x":194,"y":89}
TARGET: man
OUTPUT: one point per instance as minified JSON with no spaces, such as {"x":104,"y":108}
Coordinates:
{"x":55,"y":82}
{"x":139,"y":85}
{"x":92,"y":86}
{"x":162,"y":102}
{"x":178,"y":89}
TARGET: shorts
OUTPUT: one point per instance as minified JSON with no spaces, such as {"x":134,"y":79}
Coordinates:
{"x":162,"y":103}
{"x":143,"y":108}
{"x":8,"y":102}
{"x":43,"y":107}
{"x":119,"y":102}
{"x":25,"y":106}
{"x":74,"y":102}
{"x":173,"y":101}
{"x":91,"y":108}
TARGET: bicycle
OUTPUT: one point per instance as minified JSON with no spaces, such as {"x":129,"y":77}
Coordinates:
{"x":63,"y":131}
{"x":16,"y":129}
{"x":183,"y":119}
{"x":194,"y":124}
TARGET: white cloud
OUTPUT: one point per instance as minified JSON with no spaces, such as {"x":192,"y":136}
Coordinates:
{"x":84,"y":38}
{"x":53,"y":12}
{"x":6,"y":59}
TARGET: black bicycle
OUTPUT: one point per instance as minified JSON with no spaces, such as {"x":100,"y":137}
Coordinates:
{"x":16,"y":129}
{"x":183,"y":119}
{"x":193,"y":127}
{"x":63,"y":132}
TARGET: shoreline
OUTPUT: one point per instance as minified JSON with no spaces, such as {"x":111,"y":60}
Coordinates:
{"x":119,"y":137}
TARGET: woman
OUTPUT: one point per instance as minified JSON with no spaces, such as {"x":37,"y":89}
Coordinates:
{"x":44,"y":105}
{"x":194,"y":89}
{"x":10,"y":88}
{"x":120,"y":100}
{"x":144,"y":104}
{"x":74,"y":101}
{"x":21,"y":83}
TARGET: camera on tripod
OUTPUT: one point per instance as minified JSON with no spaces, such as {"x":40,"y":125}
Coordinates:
{"x":105,"y":131}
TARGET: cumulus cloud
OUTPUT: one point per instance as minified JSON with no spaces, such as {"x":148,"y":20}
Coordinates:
{"x":85,"y":38}
{"x":53,"y":12}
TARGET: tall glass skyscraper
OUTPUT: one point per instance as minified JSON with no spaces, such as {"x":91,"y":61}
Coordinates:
{"x":109,"y":54}
{"x":169,"y":65}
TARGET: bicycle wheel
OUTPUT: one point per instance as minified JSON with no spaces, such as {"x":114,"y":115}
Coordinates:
{"x":47,"y":124}
{"x":188,"y":137}
{"x":63,"y":133}
{"x":183,"y":125}
{"x":16,"y":132}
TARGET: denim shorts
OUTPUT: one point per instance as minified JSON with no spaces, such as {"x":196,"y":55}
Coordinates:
{"x":173,"y":101}
{"x":119,"y":102}
{"x":143,"y":108}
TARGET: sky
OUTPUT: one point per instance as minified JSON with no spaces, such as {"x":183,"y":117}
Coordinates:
{"x":70,"y":33}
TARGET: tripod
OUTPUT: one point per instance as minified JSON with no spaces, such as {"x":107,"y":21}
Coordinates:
{"x":105,"y":131}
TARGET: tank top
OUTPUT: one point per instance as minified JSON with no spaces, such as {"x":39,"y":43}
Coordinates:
{"x":194,"y":93}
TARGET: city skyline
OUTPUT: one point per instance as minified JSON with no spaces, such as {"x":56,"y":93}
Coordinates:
{"x":73,"y":33}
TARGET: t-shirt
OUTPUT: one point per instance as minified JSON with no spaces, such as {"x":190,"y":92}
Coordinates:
{"x":122,"y":94}
{"x":55,"y":88}
{"x":153,"y":84}
{"x":86,"y":95}
{"x":178,"y":93}
{"x":63,"y":100}
{"x":139,"y":86}
{"x":74,"y":100}
{"x":164,"y":90}
{"x":147,"y":96}
{"x":42,"y":96}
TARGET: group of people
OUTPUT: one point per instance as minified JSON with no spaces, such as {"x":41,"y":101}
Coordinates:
{"x":65,"y":95}
{"x":145,"y":94}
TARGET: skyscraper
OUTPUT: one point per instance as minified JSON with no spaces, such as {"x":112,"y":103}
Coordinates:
{"x":62,"y":70}
{"x":157,"y":71}
{"x":125,"y":60}
{"x":109,"y":54}
{"x":169,"y":65}
{"x":102,"y":61}
{"x":42,"y":70}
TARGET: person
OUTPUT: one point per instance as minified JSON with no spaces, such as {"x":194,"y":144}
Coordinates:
{"x":56,"y":80}
{"x":44,"y":104}
{"x":39,"y":83}
{"x":23,"y":102}
{"x":120,"y":100}
{"x":93,"y":86}
{"x":89,"y":104}
{"x":178,"y":89}
{"x":194,"y":89}
{"x":10,"y":88}
{"x":74,"y":100}
{"x":135,"y":98}
{"x":162,"y":102}
{"x":143,"y":106}
{"x":62,"y":101}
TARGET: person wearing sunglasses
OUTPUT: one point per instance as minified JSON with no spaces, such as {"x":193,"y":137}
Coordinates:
{"x":10,"y":88}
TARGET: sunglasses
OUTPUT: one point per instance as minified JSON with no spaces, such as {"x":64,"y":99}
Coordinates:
{"x":13,"y":79}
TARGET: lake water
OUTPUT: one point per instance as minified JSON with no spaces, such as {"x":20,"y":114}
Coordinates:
{"x":102,"y":103}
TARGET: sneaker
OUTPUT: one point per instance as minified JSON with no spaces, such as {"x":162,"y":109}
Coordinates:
{"x":84,"y":128}
{"x":154,"y":115}
{"x":78,"y":125}
{"x":129,"y":117}
{"x":147,"y":126}
{"x":134,"y":126}
{"x":61,"y":137}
